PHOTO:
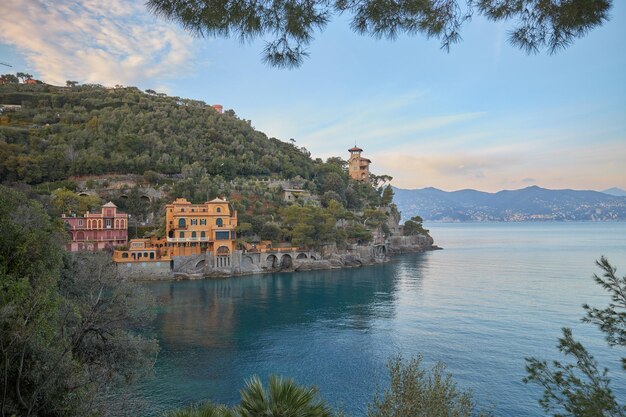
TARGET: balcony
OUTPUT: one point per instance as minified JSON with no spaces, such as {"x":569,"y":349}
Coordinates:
{"x":187,"y":239}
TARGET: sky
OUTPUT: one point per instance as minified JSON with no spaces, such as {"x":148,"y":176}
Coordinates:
{"x":484,"y":115}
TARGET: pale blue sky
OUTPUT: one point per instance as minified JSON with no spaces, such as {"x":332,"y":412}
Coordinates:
{"x":485,"y":115}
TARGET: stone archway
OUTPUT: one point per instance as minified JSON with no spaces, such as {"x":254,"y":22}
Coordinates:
{"x":271,"y":262}
{"x":301,"y":256}
{"x":248,"y":262}
{"x":286,"y":262}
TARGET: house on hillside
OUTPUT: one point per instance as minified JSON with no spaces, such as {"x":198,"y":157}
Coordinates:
{"x":358,"y":166}
{"x":101,"y":230}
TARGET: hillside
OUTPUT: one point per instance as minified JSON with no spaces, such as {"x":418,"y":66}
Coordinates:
{"x":532,"y":203}
{"x":74,"y":148}
{"x":91,"y":130}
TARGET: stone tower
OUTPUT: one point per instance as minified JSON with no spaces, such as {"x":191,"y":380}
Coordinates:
{"x":358,"y":167}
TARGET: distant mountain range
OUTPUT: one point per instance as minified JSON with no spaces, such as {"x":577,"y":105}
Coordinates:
{"x":528,"y":204}
{"x":618,"y":192}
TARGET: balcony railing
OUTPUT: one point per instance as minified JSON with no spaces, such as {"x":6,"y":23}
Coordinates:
{"x":188,"y":239}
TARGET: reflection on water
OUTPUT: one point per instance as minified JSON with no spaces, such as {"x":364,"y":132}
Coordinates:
{"x":230,"y":312}
{"x":496,"y":294}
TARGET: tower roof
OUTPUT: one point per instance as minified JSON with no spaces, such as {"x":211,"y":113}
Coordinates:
{"x":355,"y":149}
{"x":109,"y":204}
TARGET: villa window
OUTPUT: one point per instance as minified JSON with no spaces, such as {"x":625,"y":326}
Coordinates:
{"x":194,"y":222}
{"x":219,"y":210}
{"x":193,"y":235}
{"x":182,"y":223}
{"x":219,"y":222}
{"x":202,"y":222}
{"x":182,"y":235}
{"x":80,"y":222}
{"x":108,"y":223}
{"x":202,"y":234}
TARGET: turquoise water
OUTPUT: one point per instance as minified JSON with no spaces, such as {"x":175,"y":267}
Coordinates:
{"x":499,"y":292}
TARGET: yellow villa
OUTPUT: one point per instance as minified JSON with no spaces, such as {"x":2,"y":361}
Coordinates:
{"x":190,"y":229}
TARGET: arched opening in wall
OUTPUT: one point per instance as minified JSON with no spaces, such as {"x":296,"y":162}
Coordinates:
{"x":313,"y":257}
{"x":83,"y":195}
{"x":222,"y":260}
{"x":301,"y":256}
{"x":271,"y":262}
{"x":80,"y":236}
{"x":170,"y":234}
{"x":181,"y":223}
{"x":151,"y":255}
{"x":145,"y":199}
{"x":124,"y":255}
{"x":286,"y":262}
{"x":247,"y":261}
{"x":200,"y":264}
{"x":117,"y":224}
{"x":219,"y":222}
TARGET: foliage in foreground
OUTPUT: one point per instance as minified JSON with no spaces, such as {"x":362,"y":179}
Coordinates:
{"x":65,"y":320}
{"x":413,"y":392}
{"x":581,"y":388}
{"x":291,"y":25}
{"x":282,"y":397}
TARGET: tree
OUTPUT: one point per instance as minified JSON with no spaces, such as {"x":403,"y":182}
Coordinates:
{"x":24,"y":76}
{"x":581,"y":388}
{"x":291,"y":25}
{"x":414,"y":227}
{"x":71,"y":83}
{"x":9,"y":78}
{"x":68,"y":202}
{"x":417,"y":392}
{"x":271,"y":231}
{"x":283,"y":397}
{"x":387,"y":197}
{"x":64,"y":324}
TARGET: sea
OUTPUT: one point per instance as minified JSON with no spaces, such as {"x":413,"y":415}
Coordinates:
{"x":496,"y":294}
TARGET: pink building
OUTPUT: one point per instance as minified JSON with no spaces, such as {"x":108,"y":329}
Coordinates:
{"x":96,"y":231}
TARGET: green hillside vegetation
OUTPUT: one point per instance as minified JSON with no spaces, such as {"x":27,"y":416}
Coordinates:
{"x":114,"y":144}
{"x":91,"y":130}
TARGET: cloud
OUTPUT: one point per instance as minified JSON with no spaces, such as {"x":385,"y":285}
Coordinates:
{"x":529,"y":180}
{"x":94,"y":41}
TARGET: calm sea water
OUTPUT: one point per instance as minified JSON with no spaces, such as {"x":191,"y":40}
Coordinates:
{"x":496,"y":294}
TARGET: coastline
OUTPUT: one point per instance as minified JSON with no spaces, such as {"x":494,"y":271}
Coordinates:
{"x":244,"y":263}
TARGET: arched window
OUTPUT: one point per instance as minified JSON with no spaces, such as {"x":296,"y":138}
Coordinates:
{"x":182,"y":234}
{"x":124,"y":255}
{"x":219,"y":209}
{"x":170,"y":233}
{"x":202,"y":234}
{"x":117,"y":224}
{"x":219,"y":222}
{"x":181,"y":223}
{"x":193,"y":235}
